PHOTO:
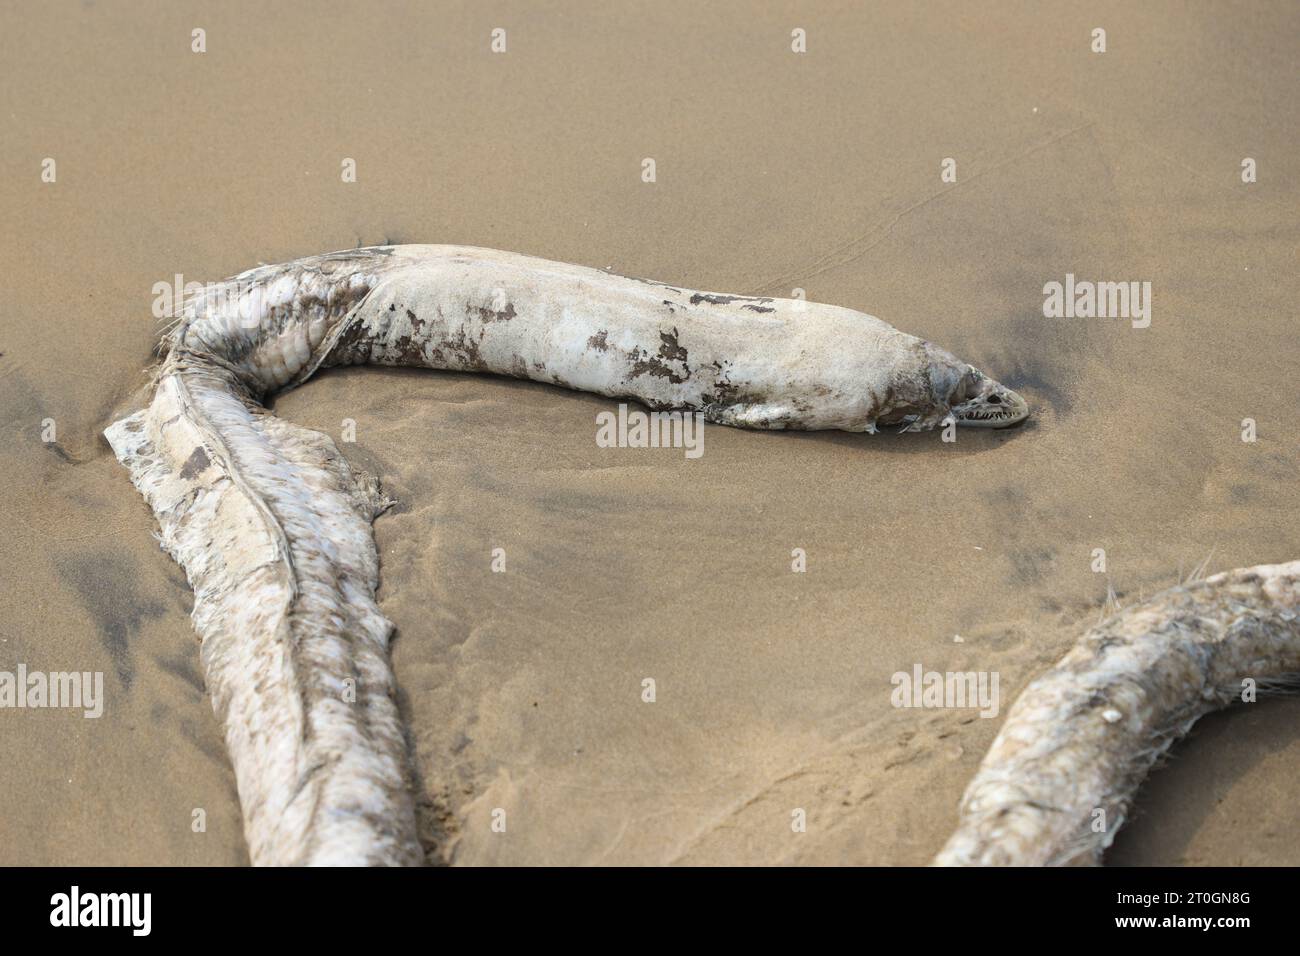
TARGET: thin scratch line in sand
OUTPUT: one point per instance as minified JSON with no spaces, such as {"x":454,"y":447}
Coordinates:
{"x":723,"y":820}
{"x":853,"y":250}
{"x":1200,"y":174}
{"x":842,"y":746}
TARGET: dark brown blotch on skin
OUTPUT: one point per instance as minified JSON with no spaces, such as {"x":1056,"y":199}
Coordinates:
{"x":726,"y":392}
{"x":195,"y":464}
{"x":487,"y":315}
{"x":409,"y":349}
{"x":670,"y":349}
{"x":353,"y":345}
{"x":466,"y":351}
{"x":643,"y":363}
{"x":655,"y":367}
{"x":599,"y":341}
{"x":662,"y":285}
{"x":714,"y":299}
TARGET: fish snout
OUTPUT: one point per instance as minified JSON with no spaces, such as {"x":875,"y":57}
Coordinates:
{"x":989,"y":404}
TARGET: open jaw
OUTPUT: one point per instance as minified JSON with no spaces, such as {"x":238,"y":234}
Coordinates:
{"x":982,"y":402}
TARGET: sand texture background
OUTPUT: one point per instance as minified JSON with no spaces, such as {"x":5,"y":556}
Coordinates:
{"x":774,"y":170}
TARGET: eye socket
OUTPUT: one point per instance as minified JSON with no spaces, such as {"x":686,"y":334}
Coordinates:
{"x":995,"y":399}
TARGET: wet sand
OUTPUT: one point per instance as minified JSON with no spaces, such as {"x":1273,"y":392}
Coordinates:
{"x":775,"y":170}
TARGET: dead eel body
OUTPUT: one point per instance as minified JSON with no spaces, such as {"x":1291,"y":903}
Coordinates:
{"x":273,"y":528}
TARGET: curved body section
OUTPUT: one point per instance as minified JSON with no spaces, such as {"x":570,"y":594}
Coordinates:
{"x":273,"y":528}
{"x":743,"y":360}
{"x":761,"y":362}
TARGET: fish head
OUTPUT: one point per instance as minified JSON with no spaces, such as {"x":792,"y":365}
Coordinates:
{"x":978,"y":401}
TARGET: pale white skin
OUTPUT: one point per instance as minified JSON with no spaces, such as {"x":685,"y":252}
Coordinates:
{"x":748,"y":361}
{"x":273,"y":527}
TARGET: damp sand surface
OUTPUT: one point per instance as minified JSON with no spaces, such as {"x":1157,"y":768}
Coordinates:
{"x":774,"y":171}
